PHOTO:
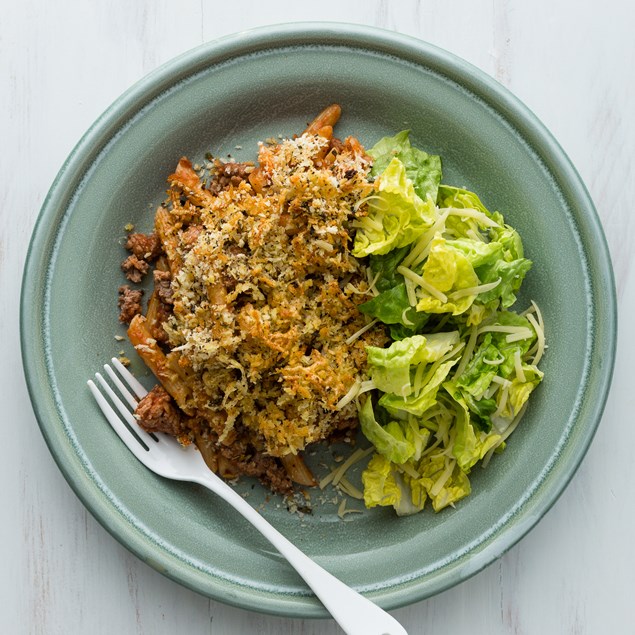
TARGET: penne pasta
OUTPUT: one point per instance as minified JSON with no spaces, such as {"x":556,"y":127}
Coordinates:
{"x":297,"y":470}
{"x":226,"y":468}
{"x":186,"y":178}
{"x":208,"y":451}
{"x":328,"y":117}
{"x":166,"y":231}
{"x":326,"y":132}
{"x":156,"y":360}
{"x":258,"y":180}
{"x":152,"y":314}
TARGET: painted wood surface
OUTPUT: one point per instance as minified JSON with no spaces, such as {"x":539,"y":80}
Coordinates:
{"x":62,"y":64}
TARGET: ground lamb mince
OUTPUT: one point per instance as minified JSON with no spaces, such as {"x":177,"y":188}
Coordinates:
{"x":129,"y":303}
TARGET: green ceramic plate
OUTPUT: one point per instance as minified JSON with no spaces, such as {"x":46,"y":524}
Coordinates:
{"x":249,"y":87}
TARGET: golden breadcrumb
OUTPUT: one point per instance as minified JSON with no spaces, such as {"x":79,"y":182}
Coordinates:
{"x":265,"y":292}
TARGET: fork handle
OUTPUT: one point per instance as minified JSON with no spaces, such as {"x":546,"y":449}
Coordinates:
{"x":353,"y":612}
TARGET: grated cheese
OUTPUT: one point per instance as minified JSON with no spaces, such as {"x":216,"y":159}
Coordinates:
{"x":404,"y":319}
{"x":361,"y":331}
{"x":350,"y":395}
{"x":494,"y":362}
{"x":410,"y":292}
{"x":505,"y":383}
{"x":540,"y":336}
{"x":481,"y":288}
{"x":435,"y":490}
{"x":367,"y":385}
{"x":480,"y":217}
{"x":467,"y":354}
{"x":503,"y":400}
{"x":372,"y":281}
{"x":499,"y":328}
{"x":525,"y":334}
{"x":518,"y":367}
{"x":406,"y":468}
{"x":336,"y":474}
{"x":420,"y":250}
{"x":349,"y":489}
{"x":408,"y":273}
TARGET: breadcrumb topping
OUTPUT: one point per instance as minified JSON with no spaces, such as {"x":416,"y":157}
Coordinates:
{"x":266,"y":291}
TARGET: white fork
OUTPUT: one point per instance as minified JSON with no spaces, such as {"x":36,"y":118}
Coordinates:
{"x":164,"y":455}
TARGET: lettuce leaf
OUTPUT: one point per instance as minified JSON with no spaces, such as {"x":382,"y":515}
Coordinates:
{"x":398,"y":441}
{"x":508,"y":237}
{"x":397,"y":215}
{"x":424,"y":400}
{"x":476,"y":411}
{"x":383,"y":268}
{"x":390,"y":367}
{"x":477,"y":252}
{"x":385,"y":485}
{"x":380,"y":485}
{"x":392,"y":307}
{"x":471,"y":445}
{"x":461,"y":418}
{"x":519,"y":392}
{"x":450,"y":196}
{"x":499,"y":259}
{"x":506,"y":349}
{"x":478,"y":374}
{"x":510,"y":274}
{"x":491,"y":263}
{"x":423,"y":169}
{"x":494,"y":356}
{"x":447,"y":270}
{"x":388,"y":440}
{"x":456,"y":487}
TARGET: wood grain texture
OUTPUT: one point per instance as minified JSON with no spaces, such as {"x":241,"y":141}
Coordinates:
{"x":62,"y":64}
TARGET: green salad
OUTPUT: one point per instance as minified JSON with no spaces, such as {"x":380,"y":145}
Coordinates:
{"x":454,"y":383}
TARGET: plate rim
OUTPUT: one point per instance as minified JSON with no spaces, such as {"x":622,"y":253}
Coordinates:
{"x":123,"y":109}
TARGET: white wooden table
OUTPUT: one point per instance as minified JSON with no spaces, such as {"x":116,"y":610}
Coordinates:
{"x":63,"y":63}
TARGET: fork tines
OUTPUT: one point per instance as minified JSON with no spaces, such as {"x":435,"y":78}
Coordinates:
{"x":137,"y":439}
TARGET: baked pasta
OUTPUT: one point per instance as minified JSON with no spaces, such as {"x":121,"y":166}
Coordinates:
{"x":253,"y":328}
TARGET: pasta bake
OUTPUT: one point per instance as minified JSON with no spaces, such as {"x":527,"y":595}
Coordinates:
{"x":253,"y":326}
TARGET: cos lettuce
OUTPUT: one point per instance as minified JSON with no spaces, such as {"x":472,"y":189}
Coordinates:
{"x":386,"y":485}
{"x":453,"y":384}
{"x":423,"y":170}
{"x":397,"y":215}
{"x":390,"y":367}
